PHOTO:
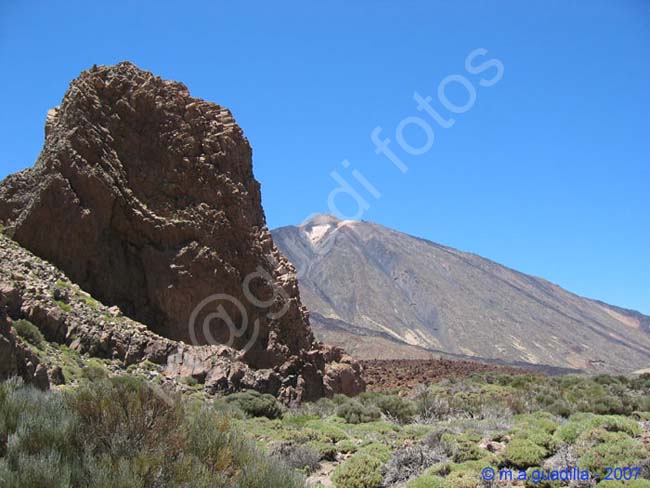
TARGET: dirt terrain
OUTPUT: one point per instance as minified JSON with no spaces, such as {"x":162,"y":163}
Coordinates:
{"x":406,"y":374}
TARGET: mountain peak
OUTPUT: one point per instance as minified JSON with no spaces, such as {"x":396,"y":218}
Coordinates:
{"x":319,"y":227}
{"x":321,"y":219}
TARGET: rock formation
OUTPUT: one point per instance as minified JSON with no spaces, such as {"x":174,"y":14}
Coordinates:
{"x":145,"y":197}
{"x":16,"y":359}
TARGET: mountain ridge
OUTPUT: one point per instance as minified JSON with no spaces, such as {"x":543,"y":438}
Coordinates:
{"x":449,"y":300}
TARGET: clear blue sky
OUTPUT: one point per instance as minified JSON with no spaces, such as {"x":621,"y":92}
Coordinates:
{"x":548,"y":172}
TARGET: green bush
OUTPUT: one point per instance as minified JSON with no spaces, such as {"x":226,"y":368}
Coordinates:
{"x":301,"y":457}
{"x":463,"y":475}
{"x":479,"y":395}
{"x":256,"y":404}
{"x":627,"y":484}
{"x":346,"y":446}
{"x":462,"y":447}
{"x":582,"y":422}
{"x":327,"y":430}
{"x":395,"y":407}
{"x":560,"y":407}
{"x":355,"y":412}
{"x":66,"y":307}
{"x":324,"y":407}
{"x":29,"y":332}
{"x":599,"y":448}
{"x":541,"y":438}
{"x":375,"y":449}
{"x":190,"y":381}
{"x":523,"y":453}
{"x":428,"y":481}
{"x":360,"y":471}
{"x":94,"y":370}
{"x":121,"y":432}
{"x":539,"y":429}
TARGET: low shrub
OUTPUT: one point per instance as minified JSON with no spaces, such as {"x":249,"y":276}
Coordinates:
{"x":94,"y":370}
{"x":90,"y":301}
{"x":582,"y":422}
{"x":301,"y":457}
{"x":627,"y":484}
{"x":523,"y":453}
{"x":429,"y":407}
{"x":428,"y":481}
{"x":409,"y":462}
{"x":298,"y":419}
{"x":121,"y":432}
{"x":66,"y":307}
{"x":28,"y":331}
{"x":360,"y":471}
{"x":539,"y":420}
{"x":541,"y":438}
{"x":396,"y":408}
{"x":256,"y":404}
{"x":355,"y":413}
{"x":374,"y":429}
{"x":327,"y":430}
{"x":190,"y":381}
{"x":560,"y":407}
{"x":346,"y":446}
{"x":463,"y":475}
{"x":536,"y":479}
{"x":322,"y":408}
{"x":461,"y":448}
{"x":375,"y":449}
{"x":563,"y":396}
{"x":598,"y":449}
{"x":539,"y":429}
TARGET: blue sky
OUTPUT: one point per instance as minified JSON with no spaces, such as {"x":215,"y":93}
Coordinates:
{"x":548,"y":172}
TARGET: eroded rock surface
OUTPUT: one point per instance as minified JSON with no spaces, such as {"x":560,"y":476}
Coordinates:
{"x":145,"y":197}
{"x":17,"y":359}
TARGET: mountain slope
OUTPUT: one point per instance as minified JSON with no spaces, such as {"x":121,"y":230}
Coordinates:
{"x":387,"y":294}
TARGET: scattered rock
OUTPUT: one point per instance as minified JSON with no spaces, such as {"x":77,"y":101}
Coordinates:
{"x":56,"y":376}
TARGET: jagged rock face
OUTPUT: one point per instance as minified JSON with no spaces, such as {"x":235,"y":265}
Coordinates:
{"x":34,"y":290}
{"x":16,"y":359}
{"x":145,"y":197}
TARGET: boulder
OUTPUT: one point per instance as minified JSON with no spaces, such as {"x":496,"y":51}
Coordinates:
{"x":17,"y":359}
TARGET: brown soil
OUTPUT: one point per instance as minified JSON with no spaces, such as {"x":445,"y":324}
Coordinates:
{"x":406,"y":374}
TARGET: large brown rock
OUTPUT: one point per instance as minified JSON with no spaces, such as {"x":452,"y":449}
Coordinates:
{"x":145,"y":197}
{"x":16,"y":358}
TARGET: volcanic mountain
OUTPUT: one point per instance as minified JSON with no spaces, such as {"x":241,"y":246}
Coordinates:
{"x":385,"y":294}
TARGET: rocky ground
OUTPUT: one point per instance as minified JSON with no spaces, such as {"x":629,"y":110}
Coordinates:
{"x":38,"y":300}
{"x":405,"y":375}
